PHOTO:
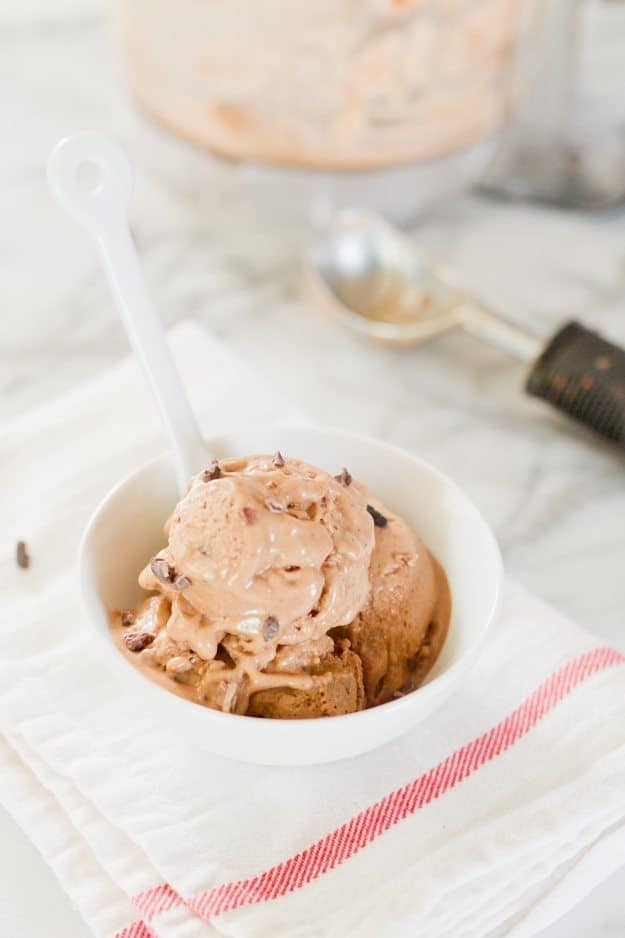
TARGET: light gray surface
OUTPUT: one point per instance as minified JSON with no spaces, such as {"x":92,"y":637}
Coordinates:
{"x":555,"y":498}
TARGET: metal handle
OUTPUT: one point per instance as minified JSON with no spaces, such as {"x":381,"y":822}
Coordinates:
{"x":583,"y":375}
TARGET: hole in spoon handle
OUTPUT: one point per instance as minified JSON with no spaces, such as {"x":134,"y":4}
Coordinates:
{"x":92,"y":178}
{"x":583,"y":375}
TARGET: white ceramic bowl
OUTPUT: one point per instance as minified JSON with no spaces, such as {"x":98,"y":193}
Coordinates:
{"x":126,"y":530}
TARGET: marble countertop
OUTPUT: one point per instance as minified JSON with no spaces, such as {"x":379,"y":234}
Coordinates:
{"x":554,"y":495}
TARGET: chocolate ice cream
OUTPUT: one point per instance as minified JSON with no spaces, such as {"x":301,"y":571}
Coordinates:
{"x":401,"y":628}
{"x":286,"y":592}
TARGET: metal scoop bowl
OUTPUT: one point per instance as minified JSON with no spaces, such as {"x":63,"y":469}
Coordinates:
{"x":371,"y":277}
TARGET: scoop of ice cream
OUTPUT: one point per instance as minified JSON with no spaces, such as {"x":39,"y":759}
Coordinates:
{"x":263,"y":552}
{"x":286,"y":592}
{"x":336,"y":687}
{"x":399,"y":631}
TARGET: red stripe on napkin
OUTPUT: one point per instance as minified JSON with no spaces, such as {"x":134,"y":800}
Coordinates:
{"x":155,"y":900}
{"x":341,"y":844}
{"x":136,"y":929}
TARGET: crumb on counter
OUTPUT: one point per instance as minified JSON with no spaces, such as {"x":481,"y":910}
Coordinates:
{"x":22,"y":556}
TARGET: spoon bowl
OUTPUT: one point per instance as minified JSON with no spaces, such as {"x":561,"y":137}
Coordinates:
{"x":126,"y":530}
{"x":370,"y":276}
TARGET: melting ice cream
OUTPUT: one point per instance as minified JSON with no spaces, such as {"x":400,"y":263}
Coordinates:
{"x":284,"y":591}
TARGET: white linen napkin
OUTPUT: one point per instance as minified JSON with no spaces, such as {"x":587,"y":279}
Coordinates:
{"x":490,"y":819}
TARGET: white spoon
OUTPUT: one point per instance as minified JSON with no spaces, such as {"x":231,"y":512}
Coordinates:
{"x":92,"y":179}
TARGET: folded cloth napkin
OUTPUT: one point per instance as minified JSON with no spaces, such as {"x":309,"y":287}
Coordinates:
{"x":489,"y":819}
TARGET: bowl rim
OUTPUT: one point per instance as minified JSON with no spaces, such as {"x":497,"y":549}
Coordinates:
{"x":94,"y":609}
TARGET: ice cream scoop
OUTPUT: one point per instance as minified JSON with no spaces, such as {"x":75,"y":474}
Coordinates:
{"x":264,"y":556}
{"x":400,"y":630}
{"x":286,"y":541}
{"x":371,"y":276}
{"x":287,"y":592}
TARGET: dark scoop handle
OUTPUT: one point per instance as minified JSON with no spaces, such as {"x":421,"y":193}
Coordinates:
{"x":583,"y":375}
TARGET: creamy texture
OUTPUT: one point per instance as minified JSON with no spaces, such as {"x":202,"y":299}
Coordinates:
{"x":405,"y":616}
{"x":324,"y":83}
{"x":286,"y":592}
{"x":263,"y":552}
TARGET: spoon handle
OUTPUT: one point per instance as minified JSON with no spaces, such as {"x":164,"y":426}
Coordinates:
{"x":92,"y":179}
{"x":584,"y":375}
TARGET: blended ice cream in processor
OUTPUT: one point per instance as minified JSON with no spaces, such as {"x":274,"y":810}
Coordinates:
{"x":332,"y":84}
{"x":286,"y":592}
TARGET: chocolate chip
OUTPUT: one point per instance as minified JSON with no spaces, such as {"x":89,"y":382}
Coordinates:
{"x":278,"y":460}
{"x":271,"y":627}
{"x":182,"y":583}
{"x":250,"y":514}
{"x":127,"y":617}
{"x":22,"y":556}
{"x":291,"y":568}
{"x":272,"y":505}
{"x":344,"y":477}
{"x":137,"y":641}
{"x":213,"y":472}
{"x":313,"y":613}
{"x":378,"y":519}
{"x":162,"y":570}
